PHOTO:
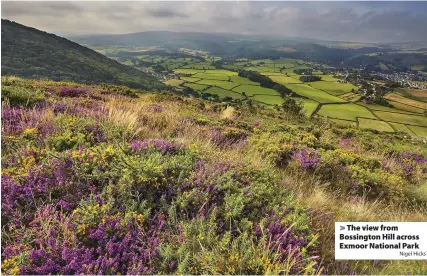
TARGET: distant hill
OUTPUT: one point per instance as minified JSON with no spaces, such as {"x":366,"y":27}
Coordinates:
{"x":31,"y":53}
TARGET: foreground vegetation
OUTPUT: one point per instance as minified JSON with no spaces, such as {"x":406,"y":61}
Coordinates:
{"x":107,"y":179}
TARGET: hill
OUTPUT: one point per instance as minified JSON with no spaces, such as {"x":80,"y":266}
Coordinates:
{"x":31,"y":53}
{"x":95,"y":182}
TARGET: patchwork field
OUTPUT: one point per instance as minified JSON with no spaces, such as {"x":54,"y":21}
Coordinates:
{"x":344,"y":122}
{"x":189,"y":79}
{"x":419,"y":131}
{"x":314,"y":94}
{"x":309,"y":106}
{"x":240,"y":80}
{"x":188,"y":71}
{"x":350,"y":97}
{"x":402,"y":118}
{"x":228,"y":85}
{"x":251,"y":90}
{"x":174,"y":82}
{"x":222,"y":93}
{"x":401,"y":128}
{"x":211,"y":76}
{"x":272,"y":100}
{"x":284,"y":79}
{"x":333,"y":88}
{"x":400,"y":99}
{"x":374,"y":124}
{"x":195,"y":86}
{"x":345,"y":111}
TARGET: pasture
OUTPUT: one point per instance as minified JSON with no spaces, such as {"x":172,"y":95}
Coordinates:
{"x":195,"y":86}
{"x":268,"y":99}
{"x":241,"y":80}
{"x":350,"y":97}
{"x":419,"y":131}
{"x":222,"y":72}
{"x":251,"y":90}
{"x":188,"y":71}
{"x":400,"y":128}
{"x":211,"y":76}
{"x":222,"y":93}
{"x":344,"y":122}
{"x":228,"y":85}
{"x":345,"y":111}
{"x":418,"y":120}
{"x":329,"y":78}
{"x":314,"y":94}
{"x":395,"y":97}
{"x":407,"y":108}
{"x":374,"y":124}
{"x":189,"y":79}
{"x":333,"y":88}
{"x":309,"y":106}
{"x":284,"y":79}
{"x":174,"y":82}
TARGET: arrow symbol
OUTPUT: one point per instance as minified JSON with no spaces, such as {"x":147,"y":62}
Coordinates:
{"x":342,"y":227}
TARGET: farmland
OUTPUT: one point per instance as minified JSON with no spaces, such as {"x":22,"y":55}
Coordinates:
{"x":336,"y":100}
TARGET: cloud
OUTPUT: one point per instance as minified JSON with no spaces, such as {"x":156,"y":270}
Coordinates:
{"x":348,"y":21}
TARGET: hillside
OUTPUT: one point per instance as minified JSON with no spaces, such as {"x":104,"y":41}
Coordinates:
{"x":96,"y":181}
{"x":30,"y":53}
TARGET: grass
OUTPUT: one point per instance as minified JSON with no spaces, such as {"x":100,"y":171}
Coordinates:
{"x":222,"y":93}
{"x":402,"y":118}
{"x":251,"y":90}
{"x":188,"y":71}
{"x":407,"y":108}
{"x":383,"y":108}
{"x":351,"y":97}
{"x":345,"y":111}
{"x":394,"y":97}
{"x":333,"y":88}
{"x":221,"y":71}
{"x":344,"y":122}
{"x":314,"y":94}
{"x":267,"y":99}
{"x":241,"y":80}
{"x":174,"y":82}
{"x":419,"y":131}
{"x":289,"y":72}
{"x":374,"y":124}
{"x":195,"y":86}
{"x":189,"y":79}
{"x":401,"y":128}
{"x":211,"y":76}
{"x":309,"y":106}
{"x":329,"y":78}
{"x":228,"y":85}
{"x":284,"y":79}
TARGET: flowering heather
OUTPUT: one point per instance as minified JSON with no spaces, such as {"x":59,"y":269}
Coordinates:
{"x":157,"y":108}
{"x":307,"y":158}
{"x":67,"y":91}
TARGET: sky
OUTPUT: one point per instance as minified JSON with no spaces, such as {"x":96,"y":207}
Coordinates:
{"x":370,"y":22}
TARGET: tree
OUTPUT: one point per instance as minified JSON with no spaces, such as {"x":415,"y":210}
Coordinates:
{"x":291,"y":106}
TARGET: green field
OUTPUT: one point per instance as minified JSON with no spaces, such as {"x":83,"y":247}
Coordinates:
{"x":400,"y":128}
{"x":241,"y":80}
{"x":174,"y":82}
{"x":284,"y":79}
{"x":198,"y":66}
{"x":195,"y":86}
{"x":221,"y":71}
{"x":328,"y":78}
{"x":289,"y":72}
{"x":228,"y":85}
{"x":383,"y":108}
{"x":189,"y":79}
{"x":251,"y":90}
{"x":314,"y":94}
{"x":211,"y":76}
{"x":267,"y":99}
{"x":188,"y":71}
{"x":333,"y":87}
{"x":419,"y":131}
{"x":407,"y":108}
{"x":402,"y":118}
{"x":344,"y":122}
{"x":222,"y":93}
{"x":374,"y":124}
{"x":309,"y":106}
{"x":345,"y":111}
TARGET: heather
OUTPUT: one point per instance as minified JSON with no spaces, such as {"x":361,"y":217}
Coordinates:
{"x":100,"y":181}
